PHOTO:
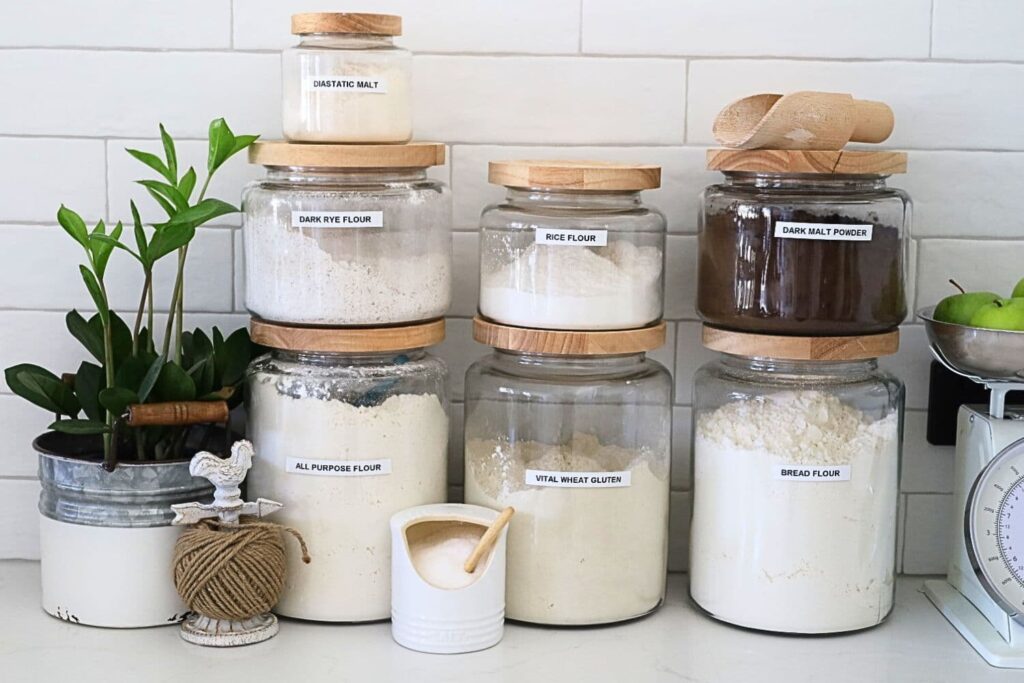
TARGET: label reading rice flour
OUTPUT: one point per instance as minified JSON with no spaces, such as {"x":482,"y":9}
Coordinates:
{"x":812,"y":473}
{"x":842,"y":232}
{"x":578,"y":480}
{"x":346,"y":84}
{"x":337,"y":219}
{"x":338,"y":468}
{"x":573,"y":238}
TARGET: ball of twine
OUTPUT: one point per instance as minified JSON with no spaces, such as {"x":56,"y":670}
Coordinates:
{"x":232,"y":572}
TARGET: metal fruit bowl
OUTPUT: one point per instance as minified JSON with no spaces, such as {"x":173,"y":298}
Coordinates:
{"x":975,"y":351}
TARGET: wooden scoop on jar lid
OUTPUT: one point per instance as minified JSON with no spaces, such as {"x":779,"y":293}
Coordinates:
{"x":802,"y":120}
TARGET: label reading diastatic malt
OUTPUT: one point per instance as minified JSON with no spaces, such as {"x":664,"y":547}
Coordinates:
{"x":572,"y":238}
{"x":337,"y":219}
{"x":338,"y":468}
{"x":842,"y":232}
{"x":812,"y":472}
{"x":578,"y":480}
{"x":346,"y":84}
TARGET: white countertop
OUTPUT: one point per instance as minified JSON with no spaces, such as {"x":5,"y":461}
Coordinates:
{"x":674,"y":644}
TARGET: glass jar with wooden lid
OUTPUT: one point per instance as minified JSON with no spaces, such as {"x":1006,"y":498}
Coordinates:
{"x":804,"y":242}
{"x":572,"y":246}
{"x":573,"y":430}
{"x":344,"y":235}
{"x":346,"y":80}
{"x":350,"y":426}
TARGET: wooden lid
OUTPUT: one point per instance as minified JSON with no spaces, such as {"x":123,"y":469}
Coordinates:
{"x":347,"y":22}
{"x":801,"y":348}
{"x":347,"y":340}
{"x":568,"y":342}
{"x":574,"y":175}
{"x":409,"y":155}
{"x":825,"y":162}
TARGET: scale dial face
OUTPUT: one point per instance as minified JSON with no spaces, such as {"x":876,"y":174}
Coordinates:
{"x":994,"y":526}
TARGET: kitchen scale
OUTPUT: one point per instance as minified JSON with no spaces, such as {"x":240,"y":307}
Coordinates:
{"x":983,"y":594}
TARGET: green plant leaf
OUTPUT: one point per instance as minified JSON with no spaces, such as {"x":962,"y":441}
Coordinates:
{"x":141,"y":243}
{"x":117,"y":399}
{"x":169,"y":192}
{"x":170,"y":238}
{"x":121,"y":338}
{"x":130,"y":373}
{"x":73,"y":225}
{"x":149,"y":381}
{"x":89,"y":381}
{"x":43,"y":388}
{"x":116,"y":244}
{"x":154,"y":162}
{"x":241,"y":142}
{"x":97,"y":294}
{"x":170,"y":154}
{"x":102,"y":246}
{"x":188,"y":183}
{"x":237,"y":354}
{"x":90,"y":337}
{"x":222,"y":141}
{"x":164,"y":204}
{"x":174,"y":384}
{"x":204,"y":211}
{"x":80,"y":427}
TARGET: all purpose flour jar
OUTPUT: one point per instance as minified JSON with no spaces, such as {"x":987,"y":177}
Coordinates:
{"x":346,"y":81}
{"x":341,"y":235}
{"x":572,"y":247}
{"x":796,"y":449}
{"x":573,"y":430}
{"x":350,"y":427}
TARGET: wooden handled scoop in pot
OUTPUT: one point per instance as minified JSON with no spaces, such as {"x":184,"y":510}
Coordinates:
{"x":802,"y":120}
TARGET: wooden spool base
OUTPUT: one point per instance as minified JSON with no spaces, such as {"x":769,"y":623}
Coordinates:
{"x":801,"y":348}
{"x":568,"y":342}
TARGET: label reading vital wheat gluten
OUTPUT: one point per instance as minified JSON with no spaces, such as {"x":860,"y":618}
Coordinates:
{"x":337,"y":219}
{"x":843,"y":232}
{"x":812,"y":472}
{"x":578,"y":480}
{"x":346,"y":84}
{"x":338,"y":468}
{"x":572,"y":238}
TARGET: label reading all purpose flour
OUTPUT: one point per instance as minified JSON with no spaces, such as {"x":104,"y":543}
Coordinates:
{"x":346,"y":84}
{"x":337,"y":219}
{"x":842,"y":232}
{"x":338,"y":468}
{"x":578,"y":480}
{"x":812,"y":473}
{"x":573,"y":238}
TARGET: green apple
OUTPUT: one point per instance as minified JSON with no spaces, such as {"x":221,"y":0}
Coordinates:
{"x":960,"y":308}
{"x":1002,"y":314}
{"x":1018,"y":291}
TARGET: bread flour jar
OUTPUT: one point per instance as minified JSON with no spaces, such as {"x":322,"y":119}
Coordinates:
{"x":804,"y":243}
{"x":351,"y":426}
{"x":573,"y":430}
{"x":796,"y":450}
{"x":346,"y":81}
{"x":572,"y":247}
{"x":344,"y":235}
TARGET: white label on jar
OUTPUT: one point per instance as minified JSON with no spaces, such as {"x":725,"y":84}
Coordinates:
{"x":578,"y":480}
{"x":337,"y":219}
{"x":843,"y":232}
{"x":346,"y":83}
{"x":573,"y":238}
{"x":812,"y":472}
{"x":338,"y":468}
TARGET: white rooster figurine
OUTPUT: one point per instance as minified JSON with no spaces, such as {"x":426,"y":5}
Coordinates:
{"x":226,"y":474}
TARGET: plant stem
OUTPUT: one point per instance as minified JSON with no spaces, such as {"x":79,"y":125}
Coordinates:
{"x":177,"y":310}
{"x":108,"y":367}
{"x":149,"y":316}
{"x":147,"y":283}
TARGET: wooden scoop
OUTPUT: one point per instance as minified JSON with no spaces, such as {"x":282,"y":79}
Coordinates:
{"x":802,"y":120}
{"x":487,"y":540}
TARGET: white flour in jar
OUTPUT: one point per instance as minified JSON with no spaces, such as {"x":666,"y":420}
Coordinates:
{"x":778,"y":554}
{"x":580,"y":288}
{"x":576,"y":555}
{"x":345,"y":519}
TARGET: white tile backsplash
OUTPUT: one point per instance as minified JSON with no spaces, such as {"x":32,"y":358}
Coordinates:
{"x":40,"y":174}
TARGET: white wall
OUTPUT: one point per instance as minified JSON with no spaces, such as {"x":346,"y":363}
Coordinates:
{"x":639,"y":80}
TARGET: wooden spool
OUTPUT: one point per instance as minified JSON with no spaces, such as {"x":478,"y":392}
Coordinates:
{"x":324,"y":155}
{"x":819,"y":162}
{"x":568,"y":342}
{"x":782,"y":347}
{"x":347,"y":22}
{"x":347,"y":340}
{"x":574,"y":175}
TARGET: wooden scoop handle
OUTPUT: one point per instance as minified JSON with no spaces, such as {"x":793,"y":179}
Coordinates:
{"x":176,"y":413}
{"x":487,"y":540}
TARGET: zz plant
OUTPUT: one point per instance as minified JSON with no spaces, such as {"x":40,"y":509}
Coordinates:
{"x":131,"y":366}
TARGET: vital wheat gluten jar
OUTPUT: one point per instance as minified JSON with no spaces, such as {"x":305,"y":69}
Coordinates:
{"x":347,"y":235}
{"x":572,"y":247}
{"x":346,"y":81}
{"x":573,"y":430}
{"x":796,"y":450}
{"x":351,"y":426}
{"x":804,"y":243}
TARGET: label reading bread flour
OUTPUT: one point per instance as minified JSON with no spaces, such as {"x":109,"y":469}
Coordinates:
{"x":842,"y":232}
{"x":573,"y":238}
{"x":337,"y":219}
{"x":578,"y":480}
{"x":812,"y":473}
{"x":338,"y":468}
{"x":346,"y":84}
